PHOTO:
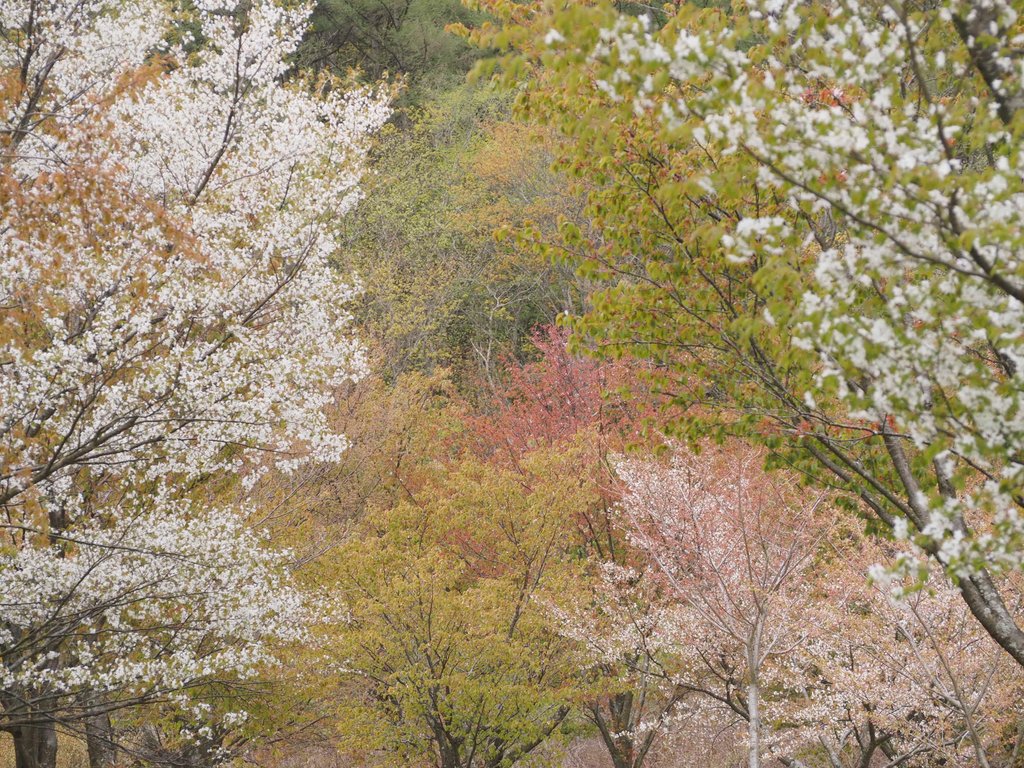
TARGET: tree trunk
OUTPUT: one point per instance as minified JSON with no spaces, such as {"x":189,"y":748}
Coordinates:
{"x":753,"y":722}
{"x":987,"y":606}
{"x":754,"y":691}
{"x":995,"y":67}
{"x":35,"y":746}
{"x":99,"y":738}
{"x":978,"y":590}
{"x":618,"y":743}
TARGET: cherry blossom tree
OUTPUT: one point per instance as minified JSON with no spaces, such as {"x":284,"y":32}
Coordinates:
{"x":906,"y":674}
{"x":167,"y":314}
{"x":852,"y":672}
{"x":731,"y":545}
{"x":624,"y":624}
{"x":753,"y":624}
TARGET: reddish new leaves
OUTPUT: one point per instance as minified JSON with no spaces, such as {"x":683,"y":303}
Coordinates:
{"x":558,"y":396}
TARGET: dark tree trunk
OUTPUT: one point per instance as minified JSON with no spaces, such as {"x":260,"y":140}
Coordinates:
{"x":615,"y":730}
{"x":99,"y":738}
{"x":35,"y":746}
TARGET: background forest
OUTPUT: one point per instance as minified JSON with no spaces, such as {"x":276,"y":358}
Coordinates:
{"x":512,"y":383}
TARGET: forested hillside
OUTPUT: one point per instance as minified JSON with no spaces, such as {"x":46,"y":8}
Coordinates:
{"x":512,"y":383}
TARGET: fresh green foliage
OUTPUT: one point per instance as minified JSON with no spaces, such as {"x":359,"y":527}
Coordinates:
{"x":439,"y":290}
{"x":391,"y":37}
{"x":442,"y":638}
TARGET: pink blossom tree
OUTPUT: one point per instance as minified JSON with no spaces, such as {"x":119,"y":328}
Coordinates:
{"x":907,"y":675}
{"x":731,"y":546}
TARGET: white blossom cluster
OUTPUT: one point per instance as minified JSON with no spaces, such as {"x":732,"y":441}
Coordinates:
{"x":234,"y":336}
{"x":168,"y":312}
{"x":154,"y":602}
{"x":66,"y":54}
{"x":917,"y":298}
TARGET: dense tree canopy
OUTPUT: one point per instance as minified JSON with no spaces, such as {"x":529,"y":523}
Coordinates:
{"x":806,"y":214}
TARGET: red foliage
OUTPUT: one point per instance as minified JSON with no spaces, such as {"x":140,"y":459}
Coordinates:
{"x":563,"y":400}
{"x":556,"y":398}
